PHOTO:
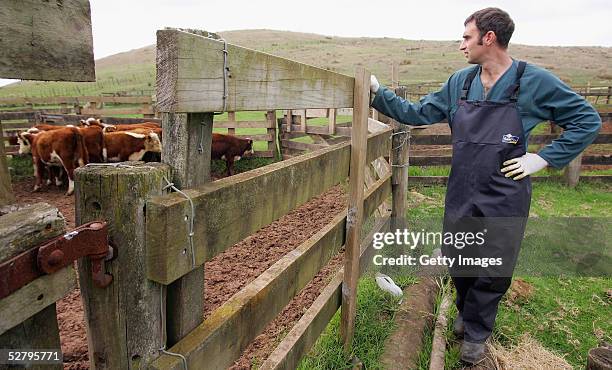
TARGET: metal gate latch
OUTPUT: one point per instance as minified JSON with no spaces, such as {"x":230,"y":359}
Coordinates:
{"x":88,"y":240}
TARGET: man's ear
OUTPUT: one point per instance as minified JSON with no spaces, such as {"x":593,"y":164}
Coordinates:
{"x":489,"y":38}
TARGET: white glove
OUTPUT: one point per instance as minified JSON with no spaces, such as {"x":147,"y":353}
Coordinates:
{"x":374,"y":85}
{"x":525,"y":165}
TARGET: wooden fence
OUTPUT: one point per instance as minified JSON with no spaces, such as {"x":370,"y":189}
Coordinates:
{"x":83,"y":105}
{"x":594,"y":94}
{"x":151,"y":314}
{"x":14,"y":122}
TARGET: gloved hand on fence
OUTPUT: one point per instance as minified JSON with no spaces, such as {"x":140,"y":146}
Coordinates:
{"x":374,"y":85}
{"x":525,"y":165}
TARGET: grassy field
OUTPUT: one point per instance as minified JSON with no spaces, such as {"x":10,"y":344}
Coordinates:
{"x":566,"y":315}
{"x":420,"y":61}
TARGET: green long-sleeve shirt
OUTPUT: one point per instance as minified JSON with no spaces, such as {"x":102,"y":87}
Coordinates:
{"x":542,"y":97}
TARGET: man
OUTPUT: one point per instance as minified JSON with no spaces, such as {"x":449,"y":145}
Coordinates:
{"x":491,"y":109}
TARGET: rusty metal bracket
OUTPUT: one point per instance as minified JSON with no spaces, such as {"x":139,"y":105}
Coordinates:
{"x":88,"y":240}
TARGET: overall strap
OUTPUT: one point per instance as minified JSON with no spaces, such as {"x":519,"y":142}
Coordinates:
{"x":468,"y":82}
{"x":513,"y":90}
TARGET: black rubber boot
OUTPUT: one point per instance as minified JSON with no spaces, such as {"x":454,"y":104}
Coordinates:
{"x":472,"y":353}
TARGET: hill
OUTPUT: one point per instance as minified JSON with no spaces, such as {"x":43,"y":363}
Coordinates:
{"x":420,"y":61}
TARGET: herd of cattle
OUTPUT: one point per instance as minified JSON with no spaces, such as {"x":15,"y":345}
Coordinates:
{"x":54,"y":148}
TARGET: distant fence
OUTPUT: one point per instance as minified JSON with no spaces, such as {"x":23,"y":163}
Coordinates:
{"x":14,"y":122}
{"x":85,"y":105}
{"x":594,"y":94}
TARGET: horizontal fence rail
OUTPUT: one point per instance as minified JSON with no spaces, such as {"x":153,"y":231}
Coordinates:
{"x":245,"y":197}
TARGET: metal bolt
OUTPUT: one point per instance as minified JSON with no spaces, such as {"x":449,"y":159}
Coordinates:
{"x":56,"y":257}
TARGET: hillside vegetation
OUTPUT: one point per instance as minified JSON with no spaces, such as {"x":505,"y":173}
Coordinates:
{"x":420,"y":61}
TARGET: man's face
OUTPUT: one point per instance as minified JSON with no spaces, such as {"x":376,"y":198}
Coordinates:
{"x":471,"y":46}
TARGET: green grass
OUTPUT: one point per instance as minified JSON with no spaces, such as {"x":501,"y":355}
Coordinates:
{"x":374,"y":323}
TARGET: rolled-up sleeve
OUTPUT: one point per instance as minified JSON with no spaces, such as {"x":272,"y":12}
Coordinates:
{"x":581,"y":123}
{"x":430,"y":109}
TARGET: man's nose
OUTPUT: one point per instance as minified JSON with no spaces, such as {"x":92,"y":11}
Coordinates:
{"x":462,"y":45}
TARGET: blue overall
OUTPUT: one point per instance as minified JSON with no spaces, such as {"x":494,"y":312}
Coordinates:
{"x":479,"y":197}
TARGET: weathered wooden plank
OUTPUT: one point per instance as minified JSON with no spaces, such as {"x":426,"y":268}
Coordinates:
{"x":241,"y":124}
{"x":319,"y":130}
{"x":359,"y":155}
{"x":23,"y":226}
{"x":124,"y":319}
{"x":6,"y":190}
{"x":306,"y":331}
{"x":260,"y":137}
{"x":16,"y":115}
{"x":379,"y":145}
{"x":301,"y":146}
{"x":191,"y":78}
{"x":46,"y":40}
{"x":117,"y":111}
{"x":377,"y":194}
{"x":72,"y":119}
{"x":264,"y":154}
{"x":35,"y":297}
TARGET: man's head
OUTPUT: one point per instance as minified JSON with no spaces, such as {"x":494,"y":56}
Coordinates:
{"x":487,"y":30}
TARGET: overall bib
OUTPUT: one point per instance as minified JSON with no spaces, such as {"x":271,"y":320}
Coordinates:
{"x":479,"y":197}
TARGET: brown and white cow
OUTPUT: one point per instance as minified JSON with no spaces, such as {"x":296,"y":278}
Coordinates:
{"x":230,"y":149}
{"x":122,"y":146}
{"x":94,"y":140}
{"x":64,"y":147}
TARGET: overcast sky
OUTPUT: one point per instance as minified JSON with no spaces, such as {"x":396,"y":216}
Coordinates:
{"x":121,"y":25}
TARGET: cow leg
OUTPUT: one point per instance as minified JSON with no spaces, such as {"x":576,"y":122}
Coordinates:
{"x":69,"y":167}
{"x":230,"y":165}
{"x":49,"y":175}
{"x":58,"y":176}
{"x":38,"y":171}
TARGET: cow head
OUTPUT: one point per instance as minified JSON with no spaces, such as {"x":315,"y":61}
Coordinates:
{"x":25,"y":140}
{"x":249,"y":147}
{"x":152,"y":143}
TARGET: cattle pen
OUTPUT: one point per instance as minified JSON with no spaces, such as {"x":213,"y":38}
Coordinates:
{"x":166,"y":220}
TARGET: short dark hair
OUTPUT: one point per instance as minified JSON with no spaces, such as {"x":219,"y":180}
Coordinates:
{"x":496,"y":20}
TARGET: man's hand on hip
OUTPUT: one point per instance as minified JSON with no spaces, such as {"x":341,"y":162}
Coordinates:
{"x":374,"y":85}
{"x":523,"y":166}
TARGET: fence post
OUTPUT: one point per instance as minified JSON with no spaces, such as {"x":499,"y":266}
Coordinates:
{"x":271,"y":130}
{"x":231,"y":117}
{"x":399,"y":177}
{"x":571,"y":175}
{"x":123,"y":320}
{"x":6,"y":191}
{"x":331,"y":115}
{"x":609,"y":93}
{"x":355,"y":205}
{"x":184,"y":135}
